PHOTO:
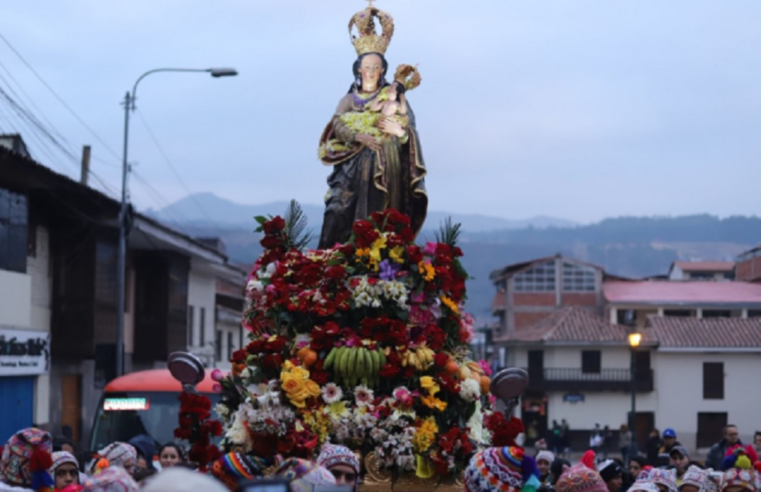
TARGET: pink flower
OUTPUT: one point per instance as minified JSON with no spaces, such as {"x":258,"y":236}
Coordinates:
{"x":217,"y":375}
{"x":485,"y":366}
{"x":430,"y":249}
{"x":404,"y":396}
{"x":217,"y":388}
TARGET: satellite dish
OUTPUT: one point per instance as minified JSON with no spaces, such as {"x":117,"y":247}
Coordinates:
{"x":186,"y":368}
{"x":509,"y":383}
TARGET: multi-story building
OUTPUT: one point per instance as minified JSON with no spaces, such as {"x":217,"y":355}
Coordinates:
{"x":749,"y":265}
{"x":58,"y":269}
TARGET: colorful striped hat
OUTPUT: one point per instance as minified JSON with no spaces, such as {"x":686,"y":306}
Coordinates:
{"x":580,"y":478}
{"x":26,"y":459}
{"x":304,"y":475}
{"x":234,"y":467}
{"x":332,"y":455}
{"x":496,"y":470}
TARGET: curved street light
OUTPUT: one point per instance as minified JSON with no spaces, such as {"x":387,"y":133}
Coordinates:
{"x":129,"y":105}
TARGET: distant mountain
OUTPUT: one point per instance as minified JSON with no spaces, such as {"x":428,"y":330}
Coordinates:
{"x":206,"y":209}
{"x":629,"y":246}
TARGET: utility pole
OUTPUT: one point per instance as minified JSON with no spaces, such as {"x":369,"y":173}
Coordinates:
{"x":122,"y":264}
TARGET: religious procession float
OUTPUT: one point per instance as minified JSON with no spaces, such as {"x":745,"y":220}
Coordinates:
{"x":364,"y":341}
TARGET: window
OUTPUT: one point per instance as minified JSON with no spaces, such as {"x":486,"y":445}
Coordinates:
{"x":202,"y":319}
{"x":229,"y":345}
{"x":713,"y":380}
{"x":678,"y":313}
{"x":710,"y":428}
{"x":191,"y":323}
{"x":540,"y":278}
{"x":754,"y":313}
{"x":218,"y":346}
{"x":536,"y":364}
{"x":702,"y":275}
{"x":578,"y":278}
{"x":625,"y":317}
{"x":716,"y":314}
{"x":106,"y":260}
{"x":590,"y":362}
{"x":14,"y":218}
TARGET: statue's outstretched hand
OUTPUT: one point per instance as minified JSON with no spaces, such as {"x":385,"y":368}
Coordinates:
{"x":368,"y":141}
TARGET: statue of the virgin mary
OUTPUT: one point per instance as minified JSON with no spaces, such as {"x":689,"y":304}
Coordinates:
{"x":371,"y":142}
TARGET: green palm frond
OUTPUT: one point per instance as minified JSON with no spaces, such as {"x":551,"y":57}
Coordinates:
{"x":448,"y":233}
{"x":297,"y":235}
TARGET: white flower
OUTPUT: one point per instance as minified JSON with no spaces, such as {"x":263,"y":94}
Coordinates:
{"x":222,"y":410}
{"x":470,"y":390}
{"x":332,"y":393}
{"x":476,"y":425}
{"x":245,"y":374}
{"x":363,"y":395}
{"x":255,"y":285}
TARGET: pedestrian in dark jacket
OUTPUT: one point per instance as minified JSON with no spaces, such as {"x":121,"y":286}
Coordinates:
{"x":654,"y":443}
{"x":669,"y":442}
{"x":718,"y":450}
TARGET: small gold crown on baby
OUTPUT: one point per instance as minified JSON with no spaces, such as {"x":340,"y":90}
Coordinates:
{"x":368,"y":40}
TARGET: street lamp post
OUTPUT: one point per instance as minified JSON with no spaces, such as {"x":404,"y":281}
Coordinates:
{"x":129,"y":105}
{"x":634,"y":339}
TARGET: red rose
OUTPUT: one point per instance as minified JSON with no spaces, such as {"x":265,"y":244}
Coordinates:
{"x":272,"y":361}
{"x":415,"y":254}
{"x":270,"y":242}
{"x":441,"y":359}
{"x":389,"y":371}
{"x":277,"y":345}
{"x":273,"y":226}
{"x":436,"y":337}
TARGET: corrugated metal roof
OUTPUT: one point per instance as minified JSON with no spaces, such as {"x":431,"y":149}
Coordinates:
{"x":683,"y":293}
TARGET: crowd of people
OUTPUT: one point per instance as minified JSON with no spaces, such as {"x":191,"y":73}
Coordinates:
{"x":32,"y":462}
{"x":29,"y":463}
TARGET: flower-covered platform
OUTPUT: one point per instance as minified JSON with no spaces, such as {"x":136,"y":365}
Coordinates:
{"x":364,"y":344}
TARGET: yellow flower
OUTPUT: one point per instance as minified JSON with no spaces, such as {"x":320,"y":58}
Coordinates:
{"x":337,"y":409}
{"x":377,"y":246}
{"x":428,"y":383}
{"x":313,"y":389}
{"x":433,"y":402}
{"x":396,"y":254}
{"x":425,"y":435}
{"x":426,"y":270}
{"x":300,"y":372}
{"x":450,"y":304}
{"x":292,"y":385}
{"x":287,"y":365}
{"x":362,"y":252}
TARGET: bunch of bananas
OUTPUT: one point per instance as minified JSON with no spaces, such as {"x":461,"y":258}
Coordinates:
{"x":355,"y":365}
{"x":420,"y":358}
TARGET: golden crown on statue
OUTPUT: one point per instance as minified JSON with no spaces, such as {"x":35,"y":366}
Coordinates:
{"x":369,"y":41}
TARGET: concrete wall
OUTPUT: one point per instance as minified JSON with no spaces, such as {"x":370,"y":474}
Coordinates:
{"x":16,"y":301}
{"x":605,"y":408}
{"x":679,"y":382}
{"x":40,"y":310}
{"x":570,"y":357}
{"x":202,"y":294}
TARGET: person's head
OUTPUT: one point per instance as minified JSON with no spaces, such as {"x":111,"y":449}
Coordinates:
{"x":370,"y":71}
{"x":496,"y":469}
{"x":544,"y":461}
{"x":170,"y":455}
{"x":26,"y":458}
{"x":146,"y":448}
{"x":679,"y":458}
{"x":111,"y":479}
{"x":61,"y":443}
{"x":557,"y":468}
{"x":65,"y":469}
{"x":655,"y":433}
{"x":580,"y":478}
{"x":231,"y":468}
{"x":304,"y":475}
{"x":624,"y":428}
{"x":739,"y":480}
{"x":757,"y":439}
{"x":117,"y":454}
{"x":597,"y":426}
{"x":342,"y":463}
{"x":635,"y":466}
{"x":180,"y":479}
{"x":664,"y":478}
{"x":612,"y":474}
{"x":669,"y":438}
{"x":693,"y":480}
{"x":731,"y":434}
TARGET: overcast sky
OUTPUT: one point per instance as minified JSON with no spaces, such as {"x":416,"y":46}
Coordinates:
{"x":577,"y":109}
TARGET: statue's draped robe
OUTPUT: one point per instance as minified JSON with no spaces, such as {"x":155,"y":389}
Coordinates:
{"x":364,"y":181}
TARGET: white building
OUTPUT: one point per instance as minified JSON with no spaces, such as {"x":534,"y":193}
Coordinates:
{"x":702,"y":270}
{"x":692,"y":375}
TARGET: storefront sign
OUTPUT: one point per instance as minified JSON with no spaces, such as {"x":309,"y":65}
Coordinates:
{"x":24,"y":352}
{"x":573,"y":397}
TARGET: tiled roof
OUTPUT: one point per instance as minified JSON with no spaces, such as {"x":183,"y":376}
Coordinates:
{"x":679,"y":293}
{"x":705,"y":333}
{"x":705,"y":266}
{"x":570,"y":325}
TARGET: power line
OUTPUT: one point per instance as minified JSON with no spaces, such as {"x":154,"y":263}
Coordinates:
{"x":60,"y":99}
{"x":158,"y":200}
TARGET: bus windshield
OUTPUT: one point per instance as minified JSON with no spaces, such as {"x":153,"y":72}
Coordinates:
{"x":124,"y":415}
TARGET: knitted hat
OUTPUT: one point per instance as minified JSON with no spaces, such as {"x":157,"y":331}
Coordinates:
{"x":332,"y":455}
{"x":694,"y":476}
{"x":60,"y":458}
{"x":304,"y":475}
{"x":643,"y":486}
{"x":547,"y":456}
{"x":234,"y":467}
{"x":26,"y":459}
{"x":610,"y":469}
{"x":661,"y":476}
{"x":111,"y":479}
{"x":740,"y":477}
{"x":588,"y":459}
{"x":739,"y":457}
{"x":115,"y":454}
{"x":503,"y":469}
{"x":178,"y":479}
{"x":580,"y":478}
